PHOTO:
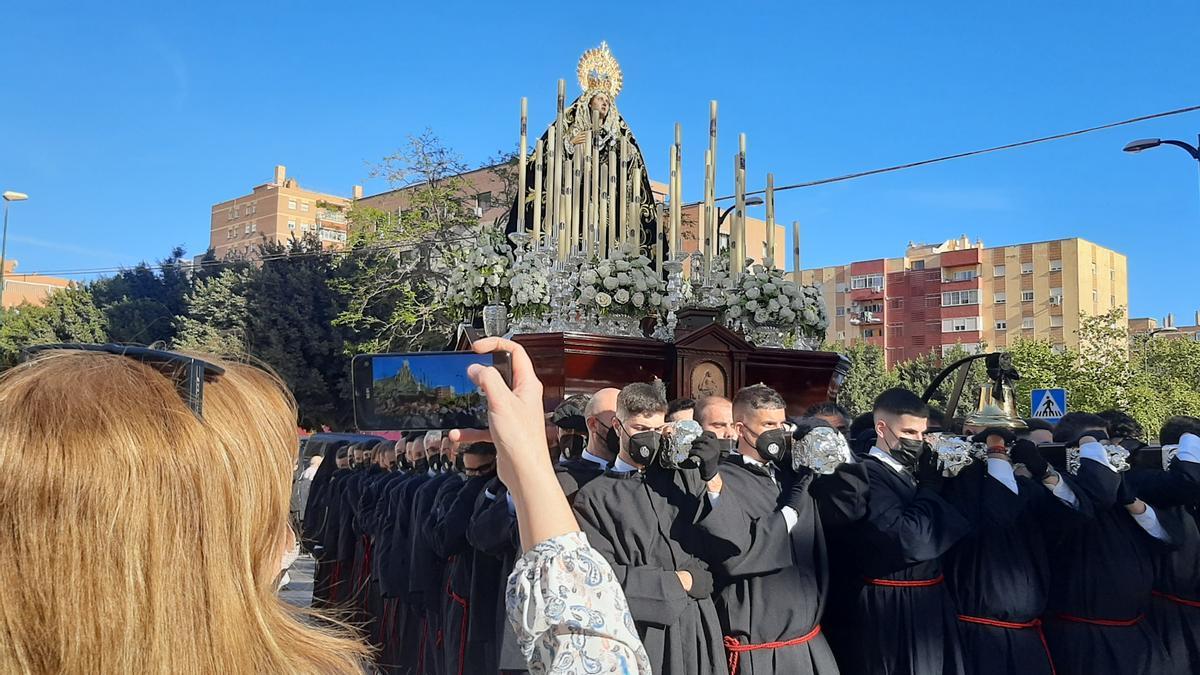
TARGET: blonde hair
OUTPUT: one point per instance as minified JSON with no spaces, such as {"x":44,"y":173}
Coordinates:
{"x":138,"y":538}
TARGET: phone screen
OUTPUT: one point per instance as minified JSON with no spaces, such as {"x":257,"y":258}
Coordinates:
{"x":420,"y":391}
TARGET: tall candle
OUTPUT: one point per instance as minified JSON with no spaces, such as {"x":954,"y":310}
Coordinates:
{"x":587,"y":196}
{"x":711,"y":228}
{"x":636,"y":170}
{"x":626,"y":232}
{"x":706,"y":215}
{"x":769,"y":259}
{"x":610,"y":219}
{"x":796,"y":250}
{"x":677,"y":203}
{"x":740,"y":210}
{"x":521,"y":165}
{"x":596,"y":186}
{"x":572,"y":204}
{"x":537,"y":195}
{"x":673,"y":201}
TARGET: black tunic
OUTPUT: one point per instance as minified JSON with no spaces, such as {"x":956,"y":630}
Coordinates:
{"x":1000,"y":573}
{"x":574,"y":474}
{"x":448,"y":533}
{"x":402,"y":643}
{"x":771,"y":582}
{"x":1175,"y":608}
{"x":898,"y":629}
{"x":642,"y":524}
{"x":1103,"y":570}
{"x":495,"y":535}
{"x":425,"y":580}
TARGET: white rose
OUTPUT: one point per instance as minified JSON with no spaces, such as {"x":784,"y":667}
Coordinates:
{"x":798,"y":304}
{"x":773,"y":305}
{"x":640,"y":285}
{"x":812,"y":292}
{"x":494,"y":280}
{"x":787,"y":315}
{"x":639,"y":299}
{"x":621,"y":296}
{"x":588,"y":276}
{"x":589,"y":293}
{"x":622,"y":265}
{"x":603,"y":299}
{"x":604,"y":269}
{"x":733,"y":311}
{"x":477,"y":281}
{"x":753,"y":292}
{"x":521,"y":298}
{"x":641,"y":261}
{"x":770,"y":288}
{"x":751,"y":305}
{"x":810,"y":317}
{"x":611,"y":283}
{"x":761,"y":316}
{"x":655,"y":299}
{"x":623,"y":278}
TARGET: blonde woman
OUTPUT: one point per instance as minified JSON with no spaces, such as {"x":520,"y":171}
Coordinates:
{"x":143,"y":511}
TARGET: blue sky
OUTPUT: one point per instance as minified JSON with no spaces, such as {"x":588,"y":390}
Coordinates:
{"x":125,"y":122}
{"x":435,"y":370}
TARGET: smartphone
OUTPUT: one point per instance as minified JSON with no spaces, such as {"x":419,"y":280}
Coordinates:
{"x":1056,"y":455}
{"x":421,"y":391}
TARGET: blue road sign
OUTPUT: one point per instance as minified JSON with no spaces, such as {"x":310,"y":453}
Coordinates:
{"x":1048,"y":404}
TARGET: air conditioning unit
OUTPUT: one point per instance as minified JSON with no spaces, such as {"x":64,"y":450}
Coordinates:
{"x":1056,"y":300}
{"x":478,"y":211}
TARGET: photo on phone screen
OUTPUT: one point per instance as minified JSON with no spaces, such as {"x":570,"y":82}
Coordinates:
{"x":420,"y":391}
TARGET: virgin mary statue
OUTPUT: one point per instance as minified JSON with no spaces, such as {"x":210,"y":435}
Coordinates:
{"x":615,"y":147}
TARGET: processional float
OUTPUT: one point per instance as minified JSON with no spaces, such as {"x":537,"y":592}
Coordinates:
{"x":588,"y":269}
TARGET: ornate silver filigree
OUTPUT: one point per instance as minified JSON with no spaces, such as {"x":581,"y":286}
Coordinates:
{"x":955,"y":453}
{"x":821,"y":450}
{"x":1118,"y":457}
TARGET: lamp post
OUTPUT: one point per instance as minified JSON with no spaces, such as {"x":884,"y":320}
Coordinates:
{"x":750,"y":201}
{"x":1147,"y":143}
{"x":9,"y":196}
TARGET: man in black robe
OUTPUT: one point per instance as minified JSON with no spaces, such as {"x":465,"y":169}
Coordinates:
{"x":402,"y":653}
{"x":1103,"y":572}
{"x":575,"y":472}
{"x":642,"y":521}
{"x":1175,"y":608}
{"x":316,"y":518}
{"x":570,"y":422}
{"x":448,"y":533}
{"x":765,"y":544}
{"x":367,"y":522}
{"x":494,"y":534}
{"x":425,"y":589}
{"x":999,"y":575}
{"x":900,"y":618}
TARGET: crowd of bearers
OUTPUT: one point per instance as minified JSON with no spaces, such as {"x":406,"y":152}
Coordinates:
{"x":735,"y":561}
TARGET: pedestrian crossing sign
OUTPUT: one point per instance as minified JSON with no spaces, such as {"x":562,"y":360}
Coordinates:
{"x":1048,"y":404}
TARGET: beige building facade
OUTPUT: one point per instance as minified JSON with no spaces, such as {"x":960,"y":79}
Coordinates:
{"x":960,"y":292}
{"x":276,"y":212}
{"x":33,"y":289}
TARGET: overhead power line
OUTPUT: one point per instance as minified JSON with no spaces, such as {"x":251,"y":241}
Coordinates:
{"x":793,"y":186}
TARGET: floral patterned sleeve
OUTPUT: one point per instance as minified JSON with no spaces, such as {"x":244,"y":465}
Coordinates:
{"x":569,"y":613}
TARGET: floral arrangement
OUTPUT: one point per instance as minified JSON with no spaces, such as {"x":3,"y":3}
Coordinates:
{"x":622,"y":284}
{"x":764,"y":297}
{"x":481,"y":276}
{"x":528,"y":281}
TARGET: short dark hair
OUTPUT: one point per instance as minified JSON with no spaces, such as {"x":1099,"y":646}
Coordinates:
{"x":862,"y":423}
{"x":1175,"y":427}
{"x":1037,"y":424}
{"x":757,"y":397}
{"x":343,"y":451}
{"x":828,"y":409}
{"x":569,"y":413}
{"x":900,"y":401}
{"x":1074,"y":422}
{"x":1121,"y":425}
{"x":480,"y":448}
{"x":641,"y":398}
{"x":680,"y":404}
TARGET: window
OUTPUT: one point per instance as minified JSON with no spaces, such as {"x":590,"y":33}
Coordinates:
{"x":1055,"y":265}
{"x":895,"y":331}
{"x":1001,"y":325}
{"x":968,"y":347}
{"x":841,"y":311}
{"x":304,"y":207}
{"x":896,"y":303}
{"x":484,"y":200}
{"x":1112,"y":274}
{"x":841,"y":288}
{"x":254,"y":227}
{"x":962,"y":275}
{"x":918,"y":265}
{"x":999,"y":270}
{"x":1056,"y":321}
{"x":292,"y":204}
{"x":292,"y":225}
{"x":869,"y":333}
{"x":1026,"y":296}
{"x":1027,"y":268}
{"x":1027,"y":323}
{"x":1001,"y":298}
{"x":875,"y":308}
{"x":970,"y":323}
{"x":247,"y":226}
{"x":866,"y":281}
{"x":956,"y":298}
{"x":1112,"y":300}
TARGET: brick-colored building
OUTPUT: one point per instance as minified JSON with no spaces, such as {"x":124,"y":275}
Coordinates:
{"x":959,"y":292}
{"x":1167,"y":329}
{"x":276,"y":212}
{"x":28,"y":288}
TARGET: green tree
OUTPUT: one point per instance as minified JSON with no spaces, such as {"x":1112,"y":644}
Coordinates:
{"x":140,"y":303}
{"x":69,"y":315}
{"x":291,"y":306}
{"x":868,"y":376}
{"x":217,"y":313}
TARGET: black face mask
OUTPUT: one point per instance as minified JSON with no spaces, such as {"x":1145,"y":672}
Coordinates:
{"x":572,"y":446}
{"x":907,"y":450}
{"x":773,"y":444}
{"x":612,"y":440}
{"x":644,"y":447}
{"x":459,"y":464}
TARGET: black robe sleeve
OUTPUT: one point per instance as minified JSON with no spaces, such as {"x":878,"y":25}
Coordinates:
{"x":655,"y":595}
{"x":842,"y":495}
{"x":493,"y":529}
{"x":914,"y":530}
{"x":449,"y":533}
{"x":757,"y":545}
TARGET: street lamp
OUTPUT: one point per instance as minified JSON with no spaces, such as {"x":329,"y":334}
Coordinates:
{"x":1147,"y":143}
{"x":752,"y":201}
{"x":9,"y":196}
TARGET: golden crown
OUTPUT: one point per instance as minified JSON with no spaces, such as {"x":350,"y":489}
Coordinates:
{"x":599,"y":72}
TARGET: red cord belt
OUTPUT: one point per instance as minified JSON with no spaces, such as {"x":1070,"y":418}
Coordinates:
{"x":1035,"y":624}
{"x":919,"y":583}
{"x":1176,"y":599}
{"x":735,"y":648}
{"x":1108,"y":623}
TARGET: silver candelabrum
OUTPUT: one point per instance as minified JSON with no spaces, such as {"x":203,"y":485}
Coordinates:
{"x":673,"y":300}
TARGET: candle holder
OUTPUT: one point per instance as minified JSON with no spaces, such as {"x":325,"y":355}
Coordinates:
{"x":665,"y":330}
